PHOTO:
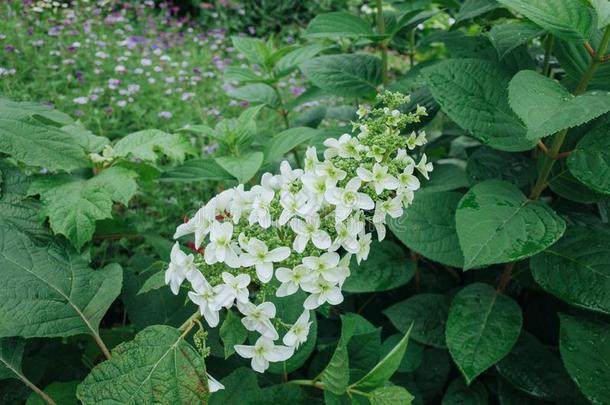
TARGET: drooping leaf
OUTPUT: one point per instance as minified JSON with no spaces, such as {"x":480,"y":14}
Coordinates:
{"x":474,"y":8}
{"x":496,"y":223}
{"x":243,"y":168}
{"x":257,"y":93}
{"x":293,"y":59}
{"x":386,"y":268}
{"x":482,"y":327}
{"x":232,"y":332}
{"x":158,"y":366}
{"x":533,"y":369}
{"x":390,"y":395}
{"x":459,"y":393}
{"x":73,"y":205}
{"x":590,"y":160}
{"x":235,"y":74}
{"x":337,"y":24}
{"x":487,"y":164}
{"x":546,"y":107}
{"x":11,"y":354}
{"x":285,"y":141}
{"x":428,"y":315}
{"x":149,"y":143}
{"x":582,"y":256}
{"x":507,"y":37}
{"x":566,"y":19}
{"x":585,"y":350}
{"x":428,"y":227}
{"x":381,"y":373}
{"x":473,"y":93}
{"x":48,"y":292}
{"x":350,"y":75}
{"x":196,"y":170}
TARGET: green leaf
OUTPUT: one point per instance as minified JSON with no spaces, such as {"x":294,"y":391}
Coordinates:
{"x":386,"y":268}
{"x":447,"y":177}
{"x":546,"y":107}
{"x":383,"y":371}
{"x":243,"y":168}
{"x":533,"y":369}
{"x":413,"y":355}
{"x":391,"y":395}
{"x":73,"y":205}
{"x":293,"y":59}
{"x":567,"y":186}
{"x":27,"y":135}
{"x":232,"y":333}
{"x":428,"y":315}
{"x":254,"y":49}
{"x":585,"y":351}
{"x":48,"y":292}
{"x":590,"y":160}
{"x":428,"y":227}
{"x":63,"y":393}
{"x":474,"y":8}
{"x":459,"y":393}
{"x":473,"y":93}
{"x":335,"y":375}
{"x":85,"y":138}
{"x":196,"y":170}
{"x":507,"y":37}
{"x":11,"y":354}
{"x":566,"y":19}
{"x":582,"y":256}
{"x":285,"y":141}
{"x":241,"y":75}
{"x":158,"y":366}
{"x":487,"y":164}
{"x":257,"y":93}
{"x":496,"y":223}
{"x":482,"y":327}
{"x":602,"y":8}
{"x":351,"y":75}
{"x":338,"y":24}
{"x":145,"y":145}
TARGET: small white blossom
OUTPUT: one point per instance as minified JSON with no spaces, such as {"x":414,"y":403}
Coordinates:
{"x":348,"y":199}
{"x":220,"y":248}
{"x":213,"y":384}
{"x":379,"y":178}
{"x":210,"y":299}
{"x":258,"y":255}
{"x":263,"y":352}
{"x":424,"y":167}
{"x":237,"y":286}
{"x":258,"y":318}
{"x":297,"y":334}
{"x":293,"y":279}
{"x":260,"y":206}
{"x":322,"y":291}
{"x":309,"y":230}
{"x":180,"y":265}
{"x":345,"y":147}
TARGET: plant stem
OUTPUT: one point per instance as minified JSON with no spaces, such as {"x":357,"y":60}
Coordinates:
{"x":102,"y":346}
{"x":310,"y":383}
{"x":384,"y":45}
{"x":31,"y":385}
{"x":560,"y":137}
{"x":281,"y":110}
{"x":549,"y":44}
{"x":189,"y":323}
{"x":412,"y":49}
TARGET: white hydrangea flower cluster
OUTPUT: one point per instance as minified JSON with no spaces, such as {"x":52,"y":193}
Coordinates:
{"x":299,"y":230}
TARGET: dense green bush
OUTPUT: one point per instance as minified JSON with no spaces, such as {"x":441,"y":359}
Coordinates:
{"x":490,"y":286}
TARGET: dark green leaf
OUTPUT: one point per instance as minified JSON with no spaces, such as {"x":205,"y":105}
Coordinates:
{"x":487,"y":164}
{"x":196,"y":170}
{"x":63,"y":393}
{"x":232,"y":333}
{"x":337,"y":24}
{"x":285,"y":141}
{"x":590,"y":161}
{"x":257,"y":93}
{"x":243,"y":168}
{"x":11,"y":353}
{"x":507,"y":37}
{"x":390,"y":395}
{"x":413,"y":355}
{"x":459,"y":393}
{"x":336,"y":374}
{"x":474,"y":8}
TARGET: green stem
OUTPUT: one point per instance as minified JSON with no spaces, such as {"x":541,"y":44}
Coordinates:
{"x":548,"y":50}
{"x":281,"y":110}
{"x":412,"y":49}
{"x":560,"y":137}
{"x":384,"y":45}
{"x":31,"y":385}
{"x":310,"y":383}
{"x":189,"y":323}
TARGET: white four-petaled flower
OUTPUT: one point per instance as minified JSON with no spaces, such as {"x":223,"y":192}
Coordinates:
{"x":263,"y":352}
{"x":258,"y":255}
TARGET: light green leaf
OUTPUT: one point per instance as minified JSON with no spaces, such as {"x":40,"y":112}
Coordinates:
{"x":158,"y":366}
{"x":196,"y":170}
{"x":533,"y":369}
{"x":257,"y":93}
{"x":428,"y":227}
{"x":428,"y":315}
{"x":285,"y":141}
{"x":335,"y":375}
{"x":482,"y":327}
{"x":506,"y":37}
{"x":381,"y":373}
{"x":585,"y":350}
{"x":602,"y":8}
{"x":338,"y":24}
{"x":11,"y":354}
{"x":293,"y":59}
{"x":351,"y":75}
{"x":413,"y":355}
{"x":496,"y":223}
{"x":146,"y":144}
{"x":459,"y":393}
{"x":85,"y":138}
{"x":232,"y":333}
{"x":391,"y":395}
{"x":473,"y":93}
{"x":488,"y":164}
{"x":582,"y":256}
{"x":30,"y":136}
{"x":386,"y":268}
{"x":546,"y":107}
{"x":590,"y":160}
{"x":63,"y":393}
{"x":48,"y":292}
{"x":73,"y":205}
{"x":566,"y":19}
{"x":243,"y":168}
{"x":474,"y":8}
{"x":241,"y":75}
{"x":254,"y":49}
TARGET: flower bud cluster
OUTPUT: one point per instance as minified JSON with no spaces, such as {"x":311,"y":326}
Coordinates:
{"x":299,"y":230}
